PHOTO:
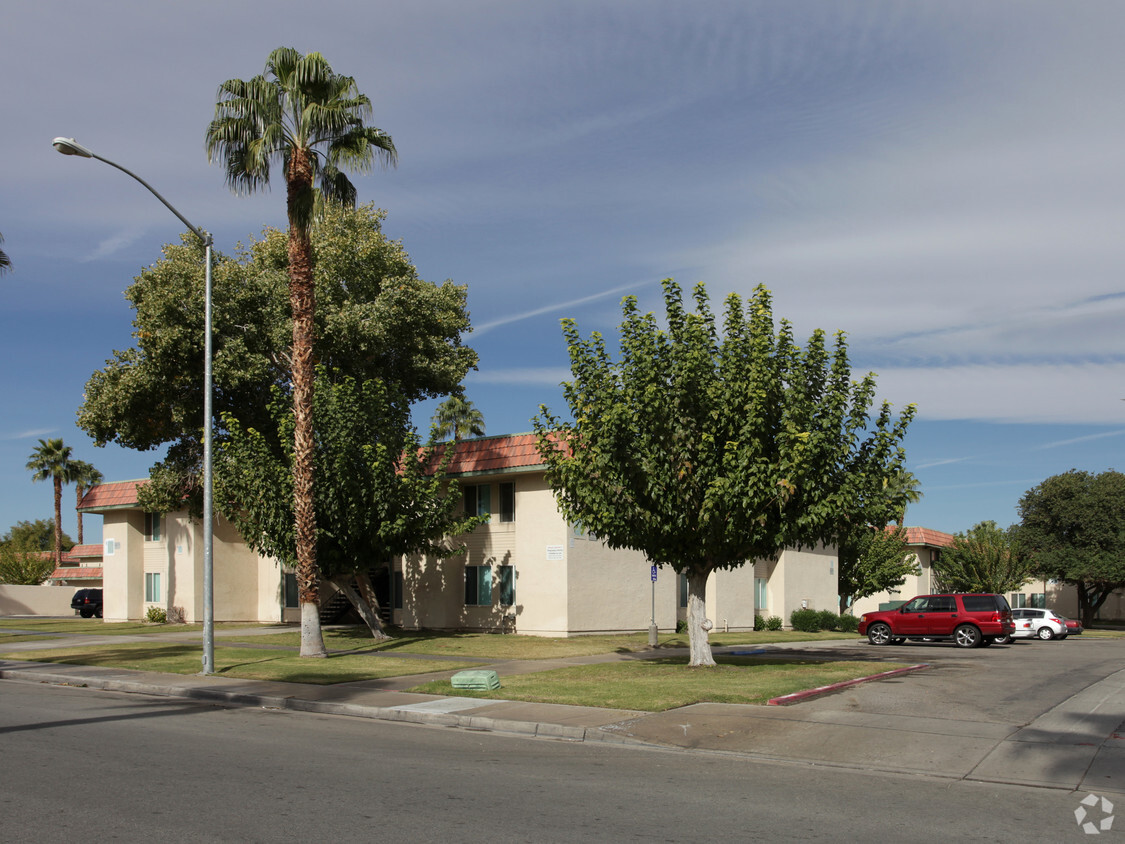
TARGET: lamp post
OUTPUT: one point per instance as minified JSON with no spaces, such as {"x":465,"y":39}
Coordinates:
{"x":69,"y":146}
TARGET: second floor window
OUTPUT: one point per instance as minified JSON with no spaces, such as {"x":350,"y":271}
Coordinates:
{"x":478,"y":500}
{"x":152,"y":527}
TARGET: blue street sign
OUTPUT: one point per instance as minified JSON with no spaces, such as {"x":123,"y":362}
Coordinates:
{"x":654,"y":574}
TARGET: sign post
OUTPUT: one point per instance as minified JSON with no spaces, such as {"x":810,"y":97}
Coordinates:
{"x":652,"y":621}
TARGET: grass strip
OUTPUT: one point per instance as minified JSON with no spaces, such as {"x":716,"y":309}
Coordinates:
{"x":655,"y":685}
{"x":515,"y":646}
{"x":244,"y":663}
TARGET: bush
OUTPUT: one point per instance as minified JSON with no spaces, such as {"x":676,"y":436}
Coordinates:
{"x":155,"y":615}
{"x":773,"y":622}
{"x":681,"y":625}
{"x":828,"y":620}
{"x":759,"y":622}
{"x":806,"y":621}
{"x":847,"y":623}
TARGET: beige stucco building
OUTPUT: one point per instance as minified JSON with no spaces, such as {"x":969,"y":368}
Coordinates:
{"x":527,"y":570}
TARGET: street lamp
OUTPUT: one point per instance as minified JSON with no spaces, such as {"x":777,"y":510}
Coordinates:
{"x":69,"y":146}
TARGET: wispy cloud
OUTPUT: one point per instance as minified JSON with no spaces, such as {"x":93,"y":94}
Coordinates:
{"x":33,"y":433}
{"x":943,"y":462}
{"x":557,"y":306}
{"x":1087,"y":438}
{"x":524,"y":377}
{"x":112,"y":245}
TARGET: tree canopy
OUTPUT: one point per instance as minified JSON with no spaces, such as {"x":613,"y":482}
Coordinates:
{"x":1073,"y":527}
{"x":986,"y":558}
{"x":377,"y":493}
{"x":23,"y":560}
{"x":457,"y":418}
{"x":377,"y":320}
{"x":705,"y":448}
{"x":872,"y":560}
{"x":38,"y":535}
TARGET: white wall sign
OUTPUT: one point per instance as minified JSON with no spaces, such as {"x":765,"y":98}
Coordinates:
{"x":554,"y":552}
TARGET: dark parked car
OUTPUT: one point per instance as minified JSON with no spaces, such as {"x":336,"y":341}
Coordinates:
{"x":88,"y":602}
{"x":968,"y":620}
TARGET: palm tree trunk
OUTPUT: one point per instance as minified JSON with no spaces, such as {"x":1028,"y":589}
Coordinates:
{"x":302,"y":302}
{"x":78,"y":503}
{"x":58,"y":521}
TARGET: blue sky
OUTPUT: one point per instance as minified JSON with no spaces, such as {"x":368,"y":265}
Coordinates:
{"x":944,"y":181}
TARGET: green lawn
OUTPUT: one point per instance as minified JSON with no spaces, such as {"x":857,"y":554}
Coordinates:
{"x":246,"y":663}
{"x":497,"y":646}
{"x":654,"y":685}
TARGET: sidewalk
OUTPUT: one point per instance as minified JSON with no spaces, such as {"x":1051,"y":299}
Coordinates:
{"x":1078,"y":745}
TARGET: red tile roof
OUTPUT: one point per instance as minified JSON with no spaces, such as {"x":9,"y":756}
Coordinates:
{"x":493,"y":454}
{"x":80,"y":551}
{"x":77,"y":573}
{"x":926,"y":536}
{"x":110,"y":496}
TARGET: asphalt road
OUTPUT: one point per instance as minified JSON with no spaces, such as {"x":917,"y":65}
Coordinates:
{"x":80,"y":764}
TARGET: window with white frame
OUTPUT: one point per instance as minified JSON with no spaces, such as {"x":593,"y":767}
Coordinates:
{"x":1019,"y":600}
{"x":478,"y":499}
{"x":507,"y":510}
{"x":152,"y":527}
{"x":1037,"y":600}
{"x":507,"y":586}
{"x":478,"y":586}
{"x":761,"y":593}
{"x":152,"y":587}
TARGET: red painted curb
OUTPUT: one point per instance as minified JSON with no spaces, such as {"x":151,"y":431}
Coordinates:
{"x":797,"y":697}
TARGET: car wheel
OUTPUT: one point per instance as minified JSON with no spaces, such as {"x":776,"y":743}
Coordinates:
{"x":1063,"y":636}
{"x":1002,"y":640}
{"x":967,"y":636}
{"x":985,"y":642}
{"x":85,"y":613}
{"x":879,"y":634}
{"x":99,"y":613}
{"x":1045,"y":633}
{"x":898,"y":640}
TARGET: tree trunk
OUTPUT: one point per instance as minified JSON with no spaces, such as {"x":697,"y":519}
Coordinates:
{"x":698,"y":624}
{"x":78,"y":512}
{"x":302,"y":302}
{"x":367,"y":610}
{"x":58,"y":520}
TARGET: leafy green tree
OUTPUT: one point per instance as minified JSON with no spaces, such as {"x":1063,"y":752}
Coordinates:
{"x":872,"y":560}
{"x":38,"y":535}
{"x":5,"y":261}
{"x":1073,"y":527}
{"x":705,"y":448}
{"x":986,"y":558}
{"x":83,"y":475}
{"x":378,"y":495}
{"x":457,"y":418}
{"x":312,"y":120}
{"x":50,"y":461}
{"x":24,"y":567}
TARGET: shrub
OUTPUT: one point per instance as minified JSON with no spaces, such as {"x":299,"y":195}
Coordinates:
{"x":828,"y":620}
{"x":681,"y":625}
{"x":806,"y":621}
{"x":774,"y":622}
{"x":155,"y":615}
{"x":847,"y":623}
{"x":759,"y":622}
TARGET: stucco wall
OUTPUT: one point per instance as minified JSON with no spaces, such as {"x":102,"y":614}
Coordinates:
{"x":36,"y":600}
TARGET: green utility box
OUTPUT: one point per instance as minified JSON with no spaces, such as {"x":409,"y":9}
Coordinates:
{"x":484,"y":679}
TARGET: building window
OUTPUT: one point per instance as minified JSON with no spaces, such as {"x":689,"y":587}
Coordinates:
{"x":1019,"y":600}
{"x":152,"y":587}
{"x":152,"y":527}
{"x":683,"y":591}
{"x":292,"y":601}
{"x":478,"y":500}
{"x":109,"y":547}
{"x":507,"y":586}
{"x":761,"y":601}
{"x":478,"y":586}
{"x":396,"y":582}
{"x":507,"y":502}
{"x":1037,"y":600}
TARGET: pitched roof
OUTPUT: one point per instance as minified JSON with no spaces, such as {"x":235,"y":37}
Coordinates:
{"x":110,"y":496}
{"x":494,"y":454}
{"x":926,"y":536}
{"x":80,"y":551}
{"x":77,"y":573}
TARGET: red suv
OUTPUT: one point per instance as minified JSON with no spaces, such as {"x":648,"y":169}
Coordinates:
{"x":968,"y":620}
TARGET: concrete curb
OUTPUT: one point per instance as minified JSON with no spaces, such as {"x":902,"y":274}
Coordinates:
{"x":797,"y":697}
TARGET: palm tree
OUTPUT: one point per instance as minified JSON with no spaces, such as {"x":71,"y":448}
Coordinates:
{"x":83,"y":475}
{"x":301,"y":112}
{"x":5,"y":261}
{"x":902,"y":488}
{"x":457,"y":417}
{"x":51,"y":460}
